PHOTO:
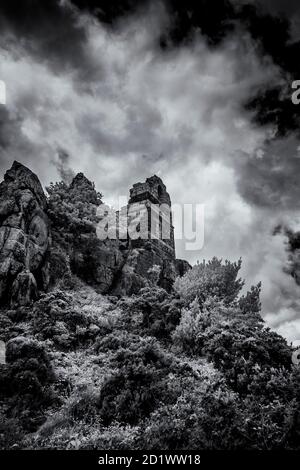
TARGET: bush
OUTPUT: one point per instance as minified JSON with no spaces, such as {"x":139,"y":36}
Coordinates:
{"x":28,"y":357}
{"x":189,"y":334}
{"x":138,"y":386}
{"x":58,"y":317}
{"x":26,"y":383}
{"x":152,"y":312}
{"x":211,"y":279}
{"x":200,"y":419}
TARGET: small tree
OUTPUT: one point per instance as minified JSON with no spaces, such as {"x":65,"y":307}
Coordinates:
{"x":72,"y":210}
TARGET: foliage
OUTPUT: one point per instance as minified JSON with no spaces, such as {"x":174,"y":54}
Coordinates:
{"x":152,"y":312}
{"x":210,"y":279}
{"x":151,"y":371}
{"x":56,"y":316}
{"x":25,"y":384}
{"x":138,"y":386}
{"x":72,"y":210}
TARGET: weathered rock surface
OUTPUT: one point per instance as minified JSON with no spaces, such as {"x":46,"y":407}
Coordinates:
{"x":97,"y":262}
{"x":150,"y":258}
{"x":120,"y":267}
{"x":182,"y":266}
{"x":144,"y":267}
{"x":24,"y":236}
{"x":24,"y":289}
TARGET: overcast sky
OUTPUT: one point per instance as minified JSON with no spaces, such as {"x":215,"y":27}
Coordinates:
{"x":124,"y":93}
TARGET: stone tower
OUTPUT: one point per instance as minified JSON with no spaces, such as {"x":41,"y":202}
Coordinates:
{"x":151,"y":202}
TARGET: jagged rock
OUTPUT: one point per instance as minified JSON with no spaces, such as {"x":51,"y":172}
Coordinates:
{"x":120,"y":267}
{"x":182,"y":266}
{"x":24,"y":234}
{"x":24,"y":289}
{"x":97,"y":261}
{"x":156,"y":246}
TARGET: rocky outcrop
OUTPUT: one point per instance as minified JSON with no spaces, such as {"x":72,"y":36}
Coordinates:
{"x":94,"y":260}
{"x":182,"y":266}
{"x":117,"y":266}
{"x":97,"y":262}
{"x":24,"y":289}
{"x":151,"y":256}
{"x":24,"y":236}
{"x":144,"y":267}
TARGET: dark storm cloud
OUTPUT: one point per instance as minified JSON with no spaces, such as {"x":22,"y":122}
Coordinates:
{"x":49,"y":30}
{"x":286,"y":7}
{"x":269,"y":23}
{"x":15,"y":145}
{"x":108,"y":11}
{"x":293,"y":248}
{"x":271,"y":27}
{"x":11,"y":136}
{"x":272,"y":33}
{"x":270,"y":178}
{"x":212,"y":18}
{"x":62,"y":164}
{"x":9,"y":128}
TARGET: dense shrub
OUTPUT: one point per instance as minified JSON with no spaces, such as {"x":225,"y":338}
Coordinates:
{"x":198,"y":420}
{"x":29,"y":366}
{"x":139,"y":385}
{"x":152,"y":311}
{"x":56,"y":316}
{"x":59,"y":266}
{"x":240,"y":346}
{"x":72,"y":210}
{"x":150,"y":371}
{"x":6,"y":327}
{"x":210,"y":279}
{"x":26,"y":382}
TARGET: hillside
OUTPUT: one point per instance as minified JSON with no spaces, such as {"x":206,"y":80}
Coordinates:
{"x":186,"y":366}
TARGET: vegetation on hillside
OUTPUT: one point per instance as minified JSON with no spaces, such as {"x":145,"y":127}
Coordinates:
{"x":72,"y":210}
{"x":195,"y":369}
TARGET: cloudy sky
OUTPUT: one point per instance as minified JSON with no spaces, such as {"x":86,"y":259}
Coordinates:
{"x":197,"y":93}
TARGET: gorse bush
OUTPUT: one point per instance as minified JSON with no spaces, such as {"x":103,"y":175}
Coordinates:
{"x":210,"y":279}
{"x":26,"y":383}
{"x":152,"y":312}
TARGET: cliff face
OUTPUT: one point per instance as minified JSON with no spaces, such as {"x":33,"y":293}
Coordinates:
{"x":116,"y":266}
{"x":24,"y":236}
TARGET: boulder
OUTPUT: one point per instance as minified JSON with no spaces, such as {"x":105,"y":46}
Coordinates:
{"x":24,"y":236}
{"x":144,"y":267}
{"x":24,"y":289}
{"x":182,"y":266}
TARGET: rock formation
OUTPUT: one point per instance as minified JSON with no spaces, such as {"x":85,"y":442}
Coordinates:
{"x":93,"y":260}
{"x":152,"y":247}
{"x":118,"y":266}
{"x":24,"y":236}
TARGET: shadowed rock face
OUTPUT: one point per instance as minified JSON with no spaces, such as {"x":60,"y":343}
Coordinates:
{"x":24,"y":236}
{"x":150,"y":254}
